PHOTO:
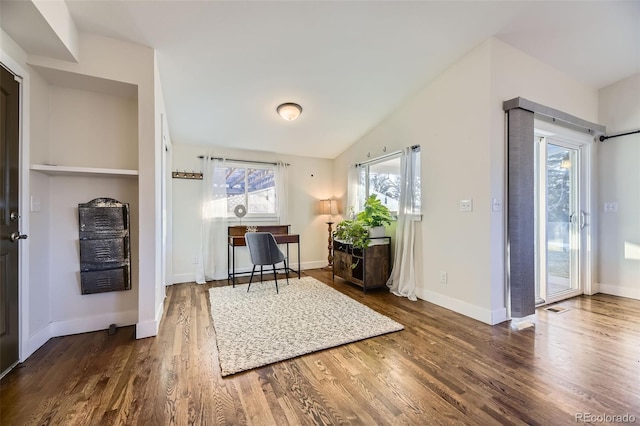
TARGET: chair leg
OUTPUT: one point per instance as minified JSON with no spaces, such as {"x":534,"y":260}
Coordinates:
{"x":261,"y":274}
{"x":286,"y":271}
{"x":251,"y":279}
{"x":275,"y":277}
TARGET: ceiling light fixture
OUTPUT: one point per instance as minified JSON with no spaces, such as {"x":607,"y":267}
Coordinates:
{"x":289,"y":111}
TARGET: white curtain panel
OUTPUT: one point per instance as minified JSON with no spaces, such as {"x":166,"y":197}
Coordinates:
{"x":353,"y":192}
{"x":402,"y":281}
{"x":213,"y":265}
{"x":282,"y":189}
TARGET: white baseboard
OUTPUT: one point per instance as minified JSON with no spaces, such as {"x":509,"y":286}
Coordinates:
{"x":314,"y":265}
{"x":616,"y":290}
{"x":147,"y":329}
{"x":183,"y":278}
{"x":191,"y":277}
{"x":35,"y":342}
{"x":467,"y":309}
{"x":498,"y":316}
{"x":76,"y":326}
{"x":94,"y":323}
{"x":160,"y":312}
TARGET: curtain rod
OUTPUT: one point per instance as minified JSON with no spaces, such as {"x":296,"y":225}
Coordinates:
{"x":243,"y":161}
{"x":392,"y":154}
{"x":604,"y":138}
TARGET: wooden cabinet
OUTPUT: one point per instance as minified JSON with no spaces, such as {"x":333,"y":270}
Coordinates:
{"x":372,"y":265}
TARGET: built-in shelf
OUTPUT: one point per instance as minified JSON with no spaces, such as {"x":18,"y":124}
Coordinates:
{"x":82,"y":171}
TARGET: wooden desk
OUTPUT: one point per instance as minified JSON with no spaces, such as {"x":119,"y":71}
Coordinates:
{"x":236,"y":239}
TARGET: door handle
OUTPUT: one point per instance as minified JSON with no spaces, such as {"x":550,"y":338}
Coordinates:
{"x":583,"y":219}
{"x":18,"y":236}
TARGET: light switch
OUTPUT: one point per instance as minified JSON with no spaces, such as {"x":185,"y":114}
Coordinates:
{"x":466,"y":205}
{"x":496,"y":205}
{"x":35,"y":204}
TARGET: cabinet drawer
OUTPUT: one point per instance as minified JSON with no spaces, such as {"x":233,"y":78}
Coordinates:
{"x":107,"y":280}
{"x":103,"y":252}
{"x":102,"y":219}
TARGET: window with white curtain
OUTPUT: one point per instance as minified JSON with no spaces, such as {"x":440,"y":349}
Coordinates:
{"x":253,"y":186}
{"x":382,"y":177}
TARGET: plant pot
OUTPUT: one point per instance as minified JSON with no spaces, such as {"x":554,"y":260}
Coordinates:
{"x":376,"y":231}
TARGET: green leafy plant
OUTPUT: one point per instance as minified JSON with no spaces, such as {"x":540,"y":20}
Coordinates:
{"x":352,"y":231}
{"x":375,"y":213}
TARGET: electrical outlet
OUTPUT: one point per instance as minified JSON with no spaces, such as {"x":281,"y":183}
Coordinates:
{"x":496,"y":205}
{"x":610,"y":207}
{"x":196,"y":260}
{"x":466,"y":205}
{"x":443,"y":277}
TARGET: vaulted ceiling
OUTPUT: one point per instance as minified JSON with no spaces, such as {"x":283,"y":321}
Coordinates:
{"x":226,"y":65}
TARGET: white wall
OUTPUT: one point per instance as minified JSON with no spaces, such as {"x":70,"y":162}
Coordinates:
{"x":132,"y":142}
{"x":88,"y":129}
{"x":91,"y":129}
{"x":458,"y":120}
{"x":119,"y":61}
{"x":619,"y":264}
{"x":72,"y":312}
{"x":310,"y":180}
{"x":513,"y":74}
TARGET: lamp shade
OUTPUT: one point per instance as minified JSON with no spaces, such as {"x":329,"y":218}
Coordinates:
{"x":289,"y":111}
{"x":328,"y":207}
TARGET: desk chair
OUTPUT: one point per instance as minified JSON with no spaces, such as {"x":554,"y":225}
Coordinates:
{"x":264,"y":250}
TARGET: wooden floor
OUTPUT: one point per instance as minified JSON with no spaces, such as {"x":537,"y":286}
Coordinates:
{"x":443,"y":368}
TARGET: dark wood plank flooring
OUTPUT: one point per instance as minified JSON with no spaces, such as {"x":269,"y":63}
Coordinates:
{"x":444,"y":368}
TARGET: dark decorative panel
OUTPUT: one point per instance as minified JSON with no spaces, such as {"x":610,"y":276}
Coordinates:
{"x":105,"y":255}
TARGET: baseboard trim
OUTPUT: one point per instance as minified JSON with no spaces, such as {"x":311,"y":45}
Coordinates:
{"x":464,"y":308}
{"x":616,"y":290}
{"x":77,"y":326}
{"x":147,"y":329}
{"x":314,"y":265}
{"x":93,"y":323}
{"x":36,"y":341}
{"x":183,"y":278}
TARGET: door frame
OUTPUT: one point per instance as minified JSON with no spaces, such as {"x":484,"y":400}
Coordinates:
{"x":586,"y":145}
{"x":23,"y":201}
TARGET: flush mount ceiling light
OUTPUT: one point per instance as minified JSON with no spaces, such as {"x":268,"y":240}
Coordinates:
{"x":289,"y":111}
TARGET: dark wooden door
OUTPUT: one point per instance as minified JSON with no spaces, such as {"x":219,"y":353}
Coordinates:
{"x":9,"y":172}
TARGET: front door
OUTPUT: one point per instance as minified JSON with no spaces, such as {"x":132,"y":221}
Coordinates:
{"x":9,"y":234}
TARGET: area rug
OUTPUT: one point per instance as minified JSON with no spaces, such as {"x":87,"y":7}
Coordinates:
{"x":261,"y":327}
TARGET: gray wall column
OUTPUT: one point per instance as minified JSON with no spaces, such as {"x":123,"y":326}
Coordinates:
{"x":521,"y":234}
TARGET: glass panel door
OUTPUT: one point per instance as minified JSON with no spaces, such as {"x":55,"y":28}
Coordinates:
{"x":560,"y":220}
{"x":563,"y":219}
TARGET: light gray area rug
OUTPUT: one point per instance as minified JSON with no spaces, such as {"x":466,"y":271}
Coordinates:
{"x":261,"y":327}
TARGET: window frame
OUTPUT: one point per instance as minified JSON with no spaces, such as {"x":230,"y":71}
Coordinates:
{"x":255,"y":217}
{"x":366,"y":187}
{"x":367,"y":177}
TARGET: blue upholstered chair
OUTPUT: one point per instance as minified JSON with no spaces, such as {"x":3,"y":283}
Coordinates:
{"x":264,"y":250}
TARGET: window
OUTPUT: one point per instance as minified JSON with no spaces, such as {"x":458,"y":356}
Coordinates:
{"x":250,"y":185}
{"x":382,"y":177}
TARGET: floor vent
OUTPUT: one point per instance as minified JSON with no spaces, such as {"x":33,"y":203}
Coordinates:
{"x":556,"y":309}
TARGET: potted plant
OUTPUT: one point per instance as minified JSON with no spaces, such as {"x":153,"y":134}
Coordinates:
{"x":375,"y":216}
{"x":352,"y":231}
